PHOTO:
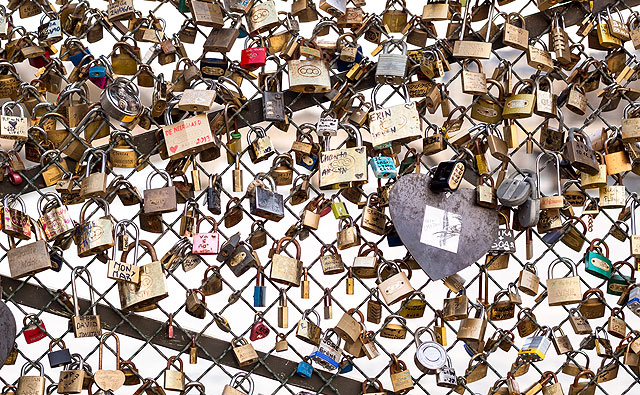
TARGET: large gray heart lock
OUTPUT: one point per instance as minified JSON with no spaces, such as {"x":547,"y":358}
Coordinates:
{"x":445,"y":233}
{"x":8,"y":331}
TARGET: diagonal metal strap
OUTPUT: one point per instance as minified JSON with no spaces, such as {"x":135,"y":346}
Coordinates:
{"x":143,"y":328}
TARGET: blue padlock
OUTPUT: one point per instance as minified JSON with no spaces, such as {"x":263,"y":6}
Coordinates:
{"x":346,"y":365}
{"x":553,"y":236}
{"x":304,"y":368}
{"x":342,"y":66}
{"x":81,"y":57}
{"x":383,"y":167}
{"x":55,"y":256}
{"x":97,"y":71}
{"x":259,"y":291}
{"x":393,"y":238}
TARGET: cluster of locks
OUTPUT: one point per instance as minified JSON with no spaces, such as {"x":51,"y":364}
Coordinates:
{"x":194,"y":118}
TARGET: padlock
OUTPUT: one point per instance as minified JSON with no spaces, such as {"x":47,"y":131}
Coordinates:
{"x":160,"y":200}
{"x":595,"y":262}
{"x":448,"y":175}
{"x":174,"y":379}
{"x":304,"y":368}
{"x":15,"y":222}
{"x":580,"y":153}
{"x":348,"y":234}
{"x":211,"y":284}
{"x":72,"y":377}
{"x":584,"y":388}
{"x":84,"y":325}
{"x":477,"y":368}
{"x":455,"y":308}
{"x":617,"y":326}
{"x":236,"y":380}
{"x":332,"y":262}
{"x":206,"y":243}
{"x":308,"y":331}
{"x":535,"y":347}
{"x":469,"y":48}
{"x":473,"y":83}
{"x":565,"y":290}
{"x":31,"y":384}
{"x":539,"y":58}
{"x":95,"y":184}
{"x":397,"y":124}
{"x":244,"y":352}
{"x":284,"y":269}
{"x":335,"y":173}
{"x":195,"y":304}
{"x":430,"y":356}
{"x":414,"y":306}
{"x":520,"y":105}
{"x":618,"y":282}
{"x":109,"y":380}
{"x":328,"y":353}
{"x":616,"y":162}
{"x":35,"y":330}
{"x":392,"y":68}
{"x":400,"y":376}
{"x":472,"y":329}
{"x":152,"y":287}
{"x":266,"y":202}
{"x":59,"y":357}
{"x":13,"y":127}
{"x":592,"y":304}
{"x":395,"y":287}
{"x":94,"y":236}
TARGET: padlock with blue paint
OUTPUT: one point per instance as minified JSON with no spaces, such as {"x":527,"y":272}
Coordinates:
{"x":553,"y":236}
{"x":393,"y":238}
{"x":328,"y":353}
{"x":304,"y":368}
{"x":260,"y":290}
{"x":634,"y":299}
{"x":99,"y":69}
{"x":338,"y":207}
{"x":346,"y":365}
{"x":55,"y":256}
{"x":342,"y":66}
{"x":535,"y":347}
{"x":383,"y":166}
{"x":80,"y":57}
{"x":595,"y":262}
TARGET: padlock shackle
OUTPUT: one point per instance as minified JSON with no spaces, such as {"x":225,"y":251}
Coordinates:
{"x":538,"y":181}
{"x":124,"y":224}
{"x":235,"y":380}
{"x":75,"y":273}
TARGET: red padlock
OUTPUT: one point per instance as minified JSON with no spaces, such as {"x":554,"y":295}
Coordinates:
{"x":41,"y":61}
{"x":252,"y":57}
{"x":259,"y":330}
{"x":14,"y":177}
{"x":35,"y":330}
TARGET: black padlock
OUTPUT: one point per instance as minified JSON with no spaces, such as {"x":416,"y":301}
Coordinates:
{"x":447,"y":176}
{"x":59,"y":357}
{"x":266,"y":203}
{"x":213,"y":68}
{"x":241,"y":259}
{"x":228,"y":248}
{"x":213,"y":195}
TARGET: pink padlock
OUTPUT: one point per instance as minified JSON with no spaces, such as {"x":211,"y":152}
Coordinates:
{"x":206,"y":243}
{"x":252,"y":57}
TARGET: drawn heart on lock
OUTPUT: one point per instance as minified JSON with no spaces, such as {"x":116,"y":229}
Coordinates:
{"x":109,"y":380}
{"x":445,"y":233}
{"x":173,"y":149}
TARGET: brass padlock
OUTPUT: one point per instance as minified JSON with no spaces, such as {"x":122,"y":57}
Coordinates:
{"x":174,"y":379}
{"x":84,"y":325}
{"x":395,"y":287}
{"x":284,"y":269}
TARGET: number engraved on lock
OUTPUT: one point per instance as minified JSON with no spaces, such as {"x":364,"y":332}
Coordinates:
{"x":237,"y":258}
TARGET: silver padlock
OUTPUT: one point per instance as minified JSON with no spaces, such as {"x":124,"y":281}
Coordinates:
{"x":430,"y":356}
{"x":392,"y":68}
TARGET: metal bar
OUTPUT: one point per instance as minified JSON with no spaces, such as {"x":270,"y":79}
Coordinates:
{"x":38,"y":297}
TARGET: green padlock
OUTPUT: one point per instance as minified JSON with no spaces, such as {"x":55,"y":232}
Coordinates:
{"x":597,"y":264}
{"x":619,"y":282}
{"x":338,"y":207}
